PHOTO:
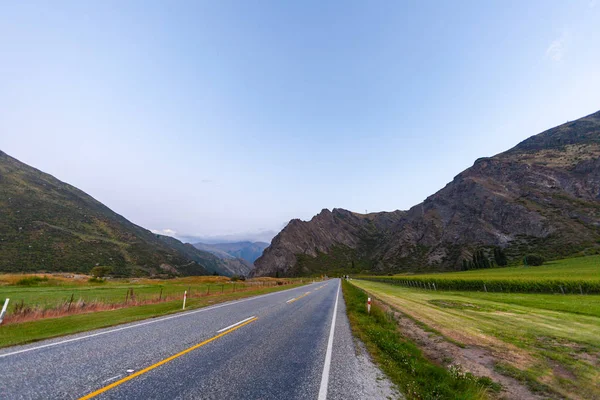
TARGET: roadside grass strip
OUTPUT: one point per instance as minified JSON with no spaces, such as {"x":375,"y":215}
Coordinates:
{"x":402,"y":360}
{"x":166,"y":360}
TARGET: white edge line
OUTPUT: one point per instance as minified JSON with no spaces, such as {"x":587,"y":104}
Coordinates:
{"x":112,"y":379}
{"x":154,"y":320}
{"x":325,"y":375}
{"x":236,"y":324}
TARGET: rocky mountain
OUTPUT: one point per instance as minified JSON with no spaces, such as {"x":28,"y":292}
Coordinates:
{"x":248,"y":251}
{"x":541,"y":196}
{"x":48,"y":225}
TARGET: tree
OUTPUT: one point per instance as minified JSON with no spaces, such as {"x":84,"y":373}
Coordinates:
{"x":465,"y":265}
{"x":500,"y":257}
{"x":101,"y":271}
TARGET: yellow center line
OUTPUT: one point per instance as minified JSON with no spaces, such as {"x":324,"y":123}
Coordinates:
{"x":166,"y":360}
{"x":298,"y":298}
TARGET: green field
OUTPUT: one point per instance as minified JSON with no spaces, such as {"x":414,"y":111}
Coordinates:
{"x":579,"y":268}
{"x":550,"y":343}
{"x":569,"y":276}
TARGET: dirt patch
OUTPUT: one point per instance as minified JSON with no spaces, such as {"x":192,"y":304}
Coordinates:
{"x":478,"y":360}
{"x":590,"y":358}
{"x":462,"y":305}
{"x":562,"y":372}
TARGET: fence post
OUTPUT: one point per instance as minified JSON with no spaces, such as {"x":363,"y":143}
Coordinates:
{"x":485,"y":288}
{"x":71,"y":301}
{"x":3,"y":312}
{"x":580,"y":290}
{"x":184,"y":298}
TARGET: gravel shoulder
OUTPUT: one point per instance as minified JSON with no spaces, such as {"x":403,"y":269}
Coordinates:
{"x":353,"y":373}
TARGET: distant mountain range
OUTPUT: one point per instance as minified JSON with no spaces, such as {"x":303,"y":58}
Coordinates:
{"x":49,"y":225}
{"x":541,"y":196}
{"x":248,"y":251}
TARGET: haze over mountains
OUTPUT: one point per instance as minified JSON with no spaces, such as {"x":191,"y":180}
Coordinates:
{"x":49,"y":225}
{"x":540,"y":196}
{"x":248,"y":251}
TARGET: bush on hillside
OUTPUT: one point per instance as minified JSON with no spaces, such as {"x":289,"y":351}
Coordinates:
{"x":533,"y":260}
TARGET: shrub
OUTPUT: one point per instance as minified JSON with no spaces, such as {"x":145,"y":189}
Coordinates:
{"x":533,"y":259}
{"x":236,"y":278}
{"x":101,"y":271}
{"x":95,"y":280}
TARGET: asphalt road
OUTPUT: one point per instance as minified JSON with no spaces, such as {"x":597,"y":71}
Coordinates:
{"x":285,"y":346}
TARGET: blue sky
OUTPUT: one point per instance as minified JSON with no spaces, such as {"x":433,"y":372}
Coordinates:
{"x":232,"y":117}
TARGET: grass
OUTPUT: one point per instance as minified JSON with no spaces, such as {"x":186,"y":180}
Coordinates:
{"x":577,"y":304}
{"x":402,"y":361}
{"x":569,"y":276}
{"x":25,"y":332}
{"x":549,"y":342}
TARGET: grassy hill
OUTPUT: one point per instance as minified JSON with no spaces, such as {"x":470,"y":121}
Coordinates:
{"x":49,"y":225}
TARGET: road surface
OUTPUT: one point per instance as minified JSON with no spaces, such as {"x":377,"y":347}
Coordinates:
{"x":293,"y":344}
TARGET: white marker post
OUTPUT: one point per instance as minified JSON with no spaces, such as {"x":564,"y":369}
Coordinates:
{"x":184,"y":298}
{"x":4,"y":310}
{"x":369,"y":305}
